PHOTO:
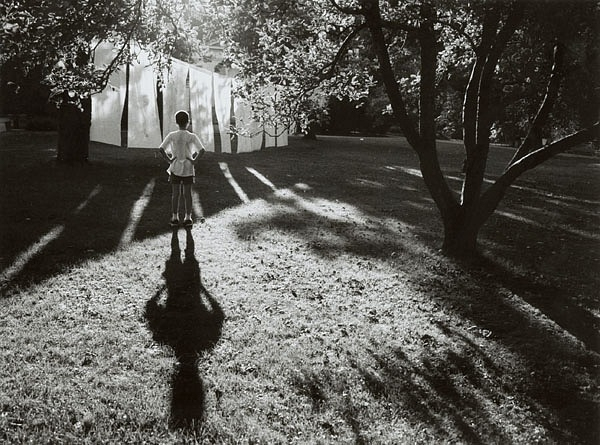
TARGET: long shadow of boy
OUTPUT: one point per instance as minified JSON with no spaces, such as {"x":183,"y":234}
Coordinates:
{"x":189,"y":320}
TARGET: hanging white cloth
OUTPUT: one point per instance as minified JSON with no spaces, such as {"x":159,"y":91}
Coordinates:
{"x":276,"y":135}
{"x":222,"y":92}
{"x":244,"y":124}
{"x":107,"y":106}
{"x":143,"y":125}
{"x":257,"y":136}
{"x":283,"y":139}
{"x":201,"y":100}
{"x":271,"y":136}
{"x":176,"y":95}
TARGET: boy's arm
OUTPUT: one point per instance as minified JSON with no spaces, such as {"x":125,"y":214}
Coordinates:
{"x":198,"y":143}
{"x":162,"y":151}
{"x":165,"y":155}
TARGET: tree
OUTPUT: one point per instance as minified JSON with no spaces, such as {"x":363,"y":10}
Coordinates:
{"x":59,"y":38}
{"x":338,"y":46}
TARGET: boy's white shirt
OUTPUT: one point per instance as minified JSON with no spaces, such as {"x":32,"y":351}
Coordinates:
{"x":181,"y":144}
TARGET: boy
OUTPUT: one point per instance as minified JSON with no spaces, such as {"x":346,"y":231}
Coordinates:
{"x":181,"y":149}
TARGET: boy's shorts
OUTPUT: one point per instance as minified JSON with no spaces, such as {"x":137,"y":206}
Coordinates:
{"x":174,"y":179}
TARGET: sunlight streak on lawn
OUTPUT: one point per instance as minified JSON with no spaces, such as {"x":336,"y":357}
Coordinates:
{"x":93,"y":193}
{"x":409,"y":171}
{"x":350,"y":218}
{"x":582,"y":233}
{"x":534,"y":315}
{"x":136,"y":213}
{"x":417,"y":173}
{"x":26,"y":256}
{"x":196,"y":205}
{"x":241,"y":194}
{"x":262,"y":178}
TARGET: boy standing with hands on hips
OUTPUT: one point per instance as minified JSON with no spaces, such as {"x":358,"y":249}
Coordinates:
{"x":181,"y":149}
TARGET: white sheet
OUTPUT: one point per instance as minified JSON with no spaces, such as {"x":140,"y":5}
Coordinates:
{"x":257,"y":136}
{"x":277,"y":136}
{"x":142,"y":115}
{"x":244,"y":125}
{"x":282,"y":141}
{"x":205,"y":89}
{"x":222,"y":92}
{"x":107,"y":106}
{"x":201,"y":100}
{"x":176,"y":95}
{"x":270,"y":136}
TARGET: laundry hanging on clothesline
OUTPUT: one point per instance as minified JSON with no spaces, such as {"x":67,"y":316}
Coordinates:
{"x":207,"y":96}
{"x":176,"y":94}
{"x":201,"y":100}
{"x":143,"y":125}
{"x":107,"y":106}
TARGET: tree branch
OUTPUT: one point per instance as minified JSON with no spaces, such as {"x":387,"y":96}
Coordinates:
{"x":534,"y":134}
{"x":423,"y":144}
{"x":327,"y":70}
{"x":345,"y":9}
{"x":493,"y":195}
{"x":477,"y":151}
{"x":373,"y":21}
{"x":460,"y":31}
{"x":117,"y":59}
{"x":469,"y":114}
{"x":498,"y":46}
{"x":428,"y":42}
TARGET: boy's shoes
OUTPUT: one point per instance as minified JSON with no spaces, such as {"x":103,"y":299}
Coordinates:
{"x":188,"y":222}
{"x":174,"y":222}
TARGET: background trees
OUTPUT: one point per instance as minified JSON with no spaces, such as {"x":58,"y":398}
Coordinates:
{"x":56,"y":40}
{"x":503,"y":67}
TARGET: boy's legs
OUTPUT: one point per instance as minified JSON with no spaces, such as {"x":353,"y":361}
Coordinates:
{"x":187,"y":200}
{"x":176,"y":189}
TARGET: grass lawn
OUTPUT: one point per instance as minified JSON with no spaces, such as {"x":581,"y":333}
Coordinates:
{"x":312,"y":306}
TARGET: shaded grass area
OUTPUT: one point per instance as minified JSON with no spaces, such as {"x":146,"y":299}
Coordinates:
{"x":320,"y":312}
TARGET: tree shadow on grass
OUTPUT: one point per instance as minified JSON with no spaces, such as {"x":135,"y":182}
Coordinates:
{"x":189,"y":320}
{"x":445,"y":390}
{"x":550,"y":300}
{"x":456,"y":389}
{"x":455,"y":383}
{"x":69,"y":214}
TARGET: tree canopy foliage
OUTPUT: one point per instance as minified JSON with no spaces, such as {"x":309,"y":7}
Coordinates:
{"x":59,"y":38}
{"x":505,"y":63}
{"x":56,"y":39}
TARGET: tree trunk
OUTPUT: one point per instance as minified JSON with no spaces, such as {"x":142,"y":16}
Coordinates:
{"x":74,"y":131}
{"x":460,"y":235}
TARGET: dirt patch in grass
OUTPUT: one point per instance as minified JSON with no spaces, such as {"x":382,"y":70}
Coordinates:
{"x":314,"y":307}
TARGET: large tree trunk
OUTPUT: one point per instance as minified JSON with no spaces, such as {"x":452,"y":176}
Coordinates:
{"x":463,"y":220}
{"x":74,"y":131}
{"x":460,"y":235}
{"x":462,"y":226}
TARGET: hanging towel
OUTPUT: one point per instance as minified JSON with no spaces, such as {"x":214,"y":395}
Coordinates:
{"x":201,"y":99}
{"x":222,"y":91}
{"x":143,"y":126}
{"x":107,"y":106}
{"x":175,"y":94}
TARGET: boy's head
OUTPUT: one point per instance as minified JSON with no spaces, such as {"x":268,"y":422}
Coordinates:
{"x":182,"y":118}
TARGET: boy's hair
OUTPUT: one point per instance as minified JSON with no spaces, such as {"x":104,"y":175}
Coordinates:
{"x":182,"y":118}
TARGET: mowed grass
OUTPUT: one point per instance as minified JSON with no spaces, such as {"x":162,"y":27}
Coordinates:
{"x":313,"y":306}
